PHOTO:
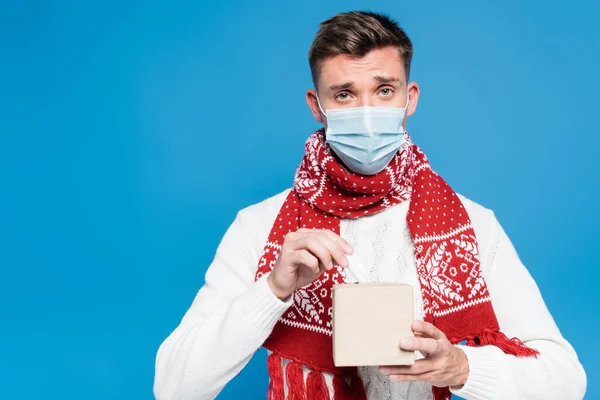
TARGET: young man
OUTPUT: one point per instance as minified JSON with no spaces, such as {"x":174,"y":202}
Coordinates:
{"x":363,"y":188}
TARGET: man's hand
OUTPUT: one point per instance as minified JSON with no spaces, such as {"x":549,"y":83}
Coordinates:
{"x":304,"y":255}
{"x":443,"y":365}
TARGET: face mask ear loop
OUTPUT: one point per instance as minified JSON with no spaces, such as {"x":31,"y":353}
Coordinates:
{"x":320,"y":108}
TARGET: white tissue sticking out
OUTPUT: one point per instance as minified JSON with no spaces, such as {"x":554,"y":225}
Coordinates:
{"x":355,"y":270}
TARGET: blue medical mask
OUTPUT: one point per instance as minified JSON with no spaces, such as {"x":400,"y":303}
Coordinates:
{"x":365,"y":138}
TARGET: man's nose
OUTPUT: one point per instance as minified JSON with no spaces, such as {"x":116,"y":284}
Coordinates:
{"x":365,"y":101}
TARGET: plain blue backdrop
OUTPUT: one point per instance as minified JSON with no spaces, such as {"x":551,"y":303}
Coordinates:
{"x":132,"y":132}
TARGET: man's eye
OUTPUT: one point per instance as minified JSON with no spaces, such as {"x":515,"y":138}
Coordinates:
{"x":386,"y":91}
{"x":343,"y":96}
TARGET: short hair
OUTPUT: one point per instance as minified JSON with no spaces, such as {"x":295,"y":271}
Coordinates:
{"x":356,"y":33}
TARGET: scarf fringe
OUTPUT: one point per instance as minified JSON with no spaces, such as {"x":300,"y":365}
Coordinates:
{"x":316,"y":387}
{"x":294,"y":376}
{"x":441,"y":393}
{"x":343,"y":391}
{"x":340,"y":387}
{"x":275,"y":369}
{"x":358,"y":388}
{"x":512,"y":346}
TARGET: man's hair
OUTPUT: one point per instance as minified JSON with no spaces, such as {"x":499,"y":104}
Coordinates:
{"x":356,"y":33}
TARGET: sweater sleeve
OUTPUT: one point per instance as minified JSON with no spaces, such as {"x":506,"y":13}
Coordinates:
{"x":228,"y":321}
{"x":555,"y":374}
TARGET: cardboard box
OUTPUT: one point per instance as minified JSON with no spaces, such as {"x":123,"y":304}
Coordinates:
{"x":369,"y":319}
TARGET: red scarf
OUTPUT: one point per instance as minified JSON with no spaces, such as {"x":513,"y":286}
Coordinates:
{"x":455,"y":296}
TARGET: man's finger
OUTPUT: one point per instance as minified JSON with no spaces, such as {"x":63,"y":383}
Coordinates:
{"x":428,"y":330}
{"x":304,"y":257}
{"x":336,"y":249}
{"x":411,"y":378}
{"x":338,"y":239}
{"x":427,"y":345}
{"x":418,"y":368}
{"x":323,"y":246}
{"x":314,"y":244}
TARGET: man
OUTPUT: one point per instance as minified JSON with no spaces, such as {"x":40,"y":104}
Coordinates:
{"x":364,"y":188}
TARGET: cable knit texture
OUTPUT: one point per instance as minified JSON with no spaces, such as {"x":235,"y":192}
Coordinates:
{"x":232,"y":315}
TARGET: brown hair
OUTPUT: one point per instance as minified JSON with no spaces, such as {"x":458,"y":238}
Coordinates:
{"x":356,"y":33}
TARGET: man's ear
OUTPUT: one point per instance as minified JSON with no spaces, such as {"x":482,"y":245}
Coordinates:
{"x":413,"y":98}
{"x":311,"y":100}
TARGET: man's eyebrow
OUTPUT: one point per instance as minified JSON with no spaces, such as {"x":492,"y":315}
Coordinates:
{"x":341,"y":86}
{"x":386,"y":79}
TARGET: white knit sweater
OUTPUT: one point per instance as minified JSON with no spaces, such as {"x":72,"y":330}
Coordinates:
{"x":232,"y":315}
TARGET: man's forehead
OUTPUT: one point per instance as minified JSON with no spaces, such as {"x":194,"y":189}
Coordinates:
{"x":378,"y":66}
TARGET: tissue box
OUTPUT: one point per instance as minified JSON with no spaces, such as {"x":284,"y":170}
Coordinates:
{"x":369,"y":319}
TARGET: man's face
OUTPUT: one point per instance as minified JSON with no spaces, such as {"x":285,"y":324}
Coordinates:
{"x":377,"y":79}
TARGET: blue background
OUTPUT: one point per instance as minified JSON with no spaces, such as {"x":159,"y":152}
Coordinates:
{"x":132,"y":133}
